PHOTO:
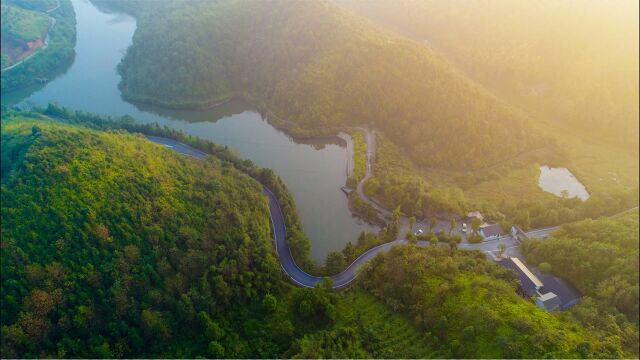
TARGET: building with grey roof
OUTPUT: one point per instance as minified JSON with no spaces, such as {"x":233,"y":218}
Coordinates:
{"x":491,"y":231}
{"x":549,"y":301}
{"x":551,"y":293}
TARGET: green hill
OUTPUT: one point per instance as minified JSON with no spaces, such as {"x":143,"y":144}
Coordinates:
{"x":601,"y":257}
{"x":113,"y":246}
{"x":109,"y":239}
{"x":572,"y":63}
{"x":314,"y":67}
{"x":468,"y":308}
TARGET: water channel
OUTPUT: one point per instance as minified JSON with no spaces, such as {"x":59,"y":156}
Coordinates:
{"x":313,"y":171}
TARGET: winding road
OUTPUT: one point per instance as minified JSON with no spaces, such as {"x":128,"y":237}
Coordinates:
{"x":299,"y":276}
{"x":370,"y":138}
{"x":287,"y":262}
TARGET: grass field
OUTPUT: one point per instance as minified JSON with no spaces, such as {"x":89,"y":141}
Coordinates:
{"x":35,"y":5}
{"x":602,"y":168}
{"x":23,"y":25}
{"x":394,"y":335}
{"x":22,"y":33}
{"x":359,"y":157}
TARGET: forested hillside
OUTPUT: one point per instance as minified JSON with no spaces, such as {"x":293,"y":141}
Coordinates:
{"x":573,"y":63}
{"x":468,"y":308}
{"x":313,"y":67}
{"x":112,"y":245}
{"x":116,"y":247}
{"x":601,"y":258}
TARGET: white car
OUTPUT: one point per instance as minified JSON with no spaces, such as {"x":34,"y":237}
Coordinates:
{"x":419,"y":232}
{"x":464,"y":227}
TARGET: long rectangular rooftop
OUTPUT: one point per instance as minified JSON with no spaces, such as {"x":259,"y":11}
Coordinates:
{"x":534,"y":279}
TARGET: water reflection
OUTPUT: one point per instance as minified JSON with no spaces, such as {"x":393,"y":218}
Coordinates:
{"x":313,"y":169}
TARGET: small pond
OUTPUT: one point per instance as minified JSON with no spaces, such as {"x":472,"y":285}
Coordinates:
{"x":559,"y":180}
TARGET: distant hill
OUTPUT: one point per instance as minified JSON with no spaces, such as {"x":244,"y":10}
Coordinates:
{"x":573,"y":63}
{"x":313,"y":67}
{"x":38,"y":36}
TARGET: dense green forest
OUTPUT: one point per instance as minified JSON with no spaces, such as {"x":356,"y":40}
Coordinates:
{"x":329,"y":68}
{"x":313,"y":68}
{"x":396,"y":184}
{"x":61,"y":39}
{"x":572,"y":62}
{"x":601,"y":258}
{"x":109,"y":239}
{"x":298,"y":241}
{"x":116,"y":247}
{"x":467,"y":307}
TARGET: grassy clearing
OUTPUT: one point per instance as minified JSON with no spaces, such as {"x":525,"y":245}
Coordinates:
{"x":23,"y":25}
{"x":521,"y":183}
{"x":392,"y":334}
{"x":359,"y":157}
{"x":602,"y":168}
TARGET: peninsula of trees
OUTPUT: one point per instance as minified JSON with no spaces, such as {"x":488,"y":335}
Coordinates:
{"x":314,"y":67}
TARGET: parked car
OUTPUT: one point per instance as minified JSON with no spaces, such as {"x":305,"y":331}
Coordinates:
{"x":419,"y":232}
{"x":464,"y":227}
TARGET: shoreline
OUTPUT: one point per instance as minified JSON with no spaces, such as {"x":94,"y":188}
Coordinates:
{"x":336,"y":134}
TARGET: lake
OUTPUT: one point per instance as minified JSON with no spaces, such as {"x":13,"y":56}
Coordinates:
{"x":314,"y":171}
{"x":557,"y":180}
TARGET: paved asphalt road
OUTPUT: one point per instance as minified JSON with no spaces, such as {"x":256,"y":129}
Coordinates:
{"x":350,"y":273}
{"x":280,"y":231}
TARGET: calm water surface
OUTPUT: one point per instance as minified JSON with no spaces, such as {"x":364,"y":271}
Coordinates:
{"x":557,"y":180}
{"x":313,"y":172}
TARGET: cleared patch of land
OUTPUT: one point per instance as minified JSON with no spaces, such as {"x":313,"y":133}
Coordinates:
{"x":23,"y":33}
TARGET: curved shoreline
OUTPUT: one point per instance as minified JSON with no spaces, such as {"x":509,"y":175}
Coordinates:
{"x":351,"y":272}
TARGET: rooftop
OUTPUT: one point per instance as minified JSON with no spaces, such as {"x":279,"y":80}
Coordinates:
{"x":529,"y":283}
{"x":547,"y":296}
{"x":491,"y":230}
{"x":549,"y":301}
{"x":569,"y":295}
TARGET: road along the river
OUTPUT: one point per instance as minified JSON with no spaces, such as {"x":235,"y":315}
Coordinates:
{"x":299,"y":276}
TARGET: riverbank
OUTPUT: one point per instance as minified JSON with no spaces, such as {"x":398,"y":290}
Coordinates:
{"x":56,"y":52}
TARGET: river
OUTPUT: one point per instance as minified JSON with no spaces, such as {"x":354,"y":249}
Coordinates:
{"x":313,"y":171}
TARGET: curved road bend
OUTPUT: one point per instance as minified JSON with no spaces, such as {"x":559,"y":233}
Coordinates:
{"x":350,"y":273}
{"x":280,"y":231}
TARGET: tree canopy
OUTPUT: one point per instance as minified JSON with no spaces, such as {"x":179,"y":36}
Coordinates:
{"x":313,"y":67}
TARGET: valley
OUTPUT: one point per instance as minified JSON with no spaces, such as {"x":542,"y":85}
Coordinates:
{"x":315,"y":179}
